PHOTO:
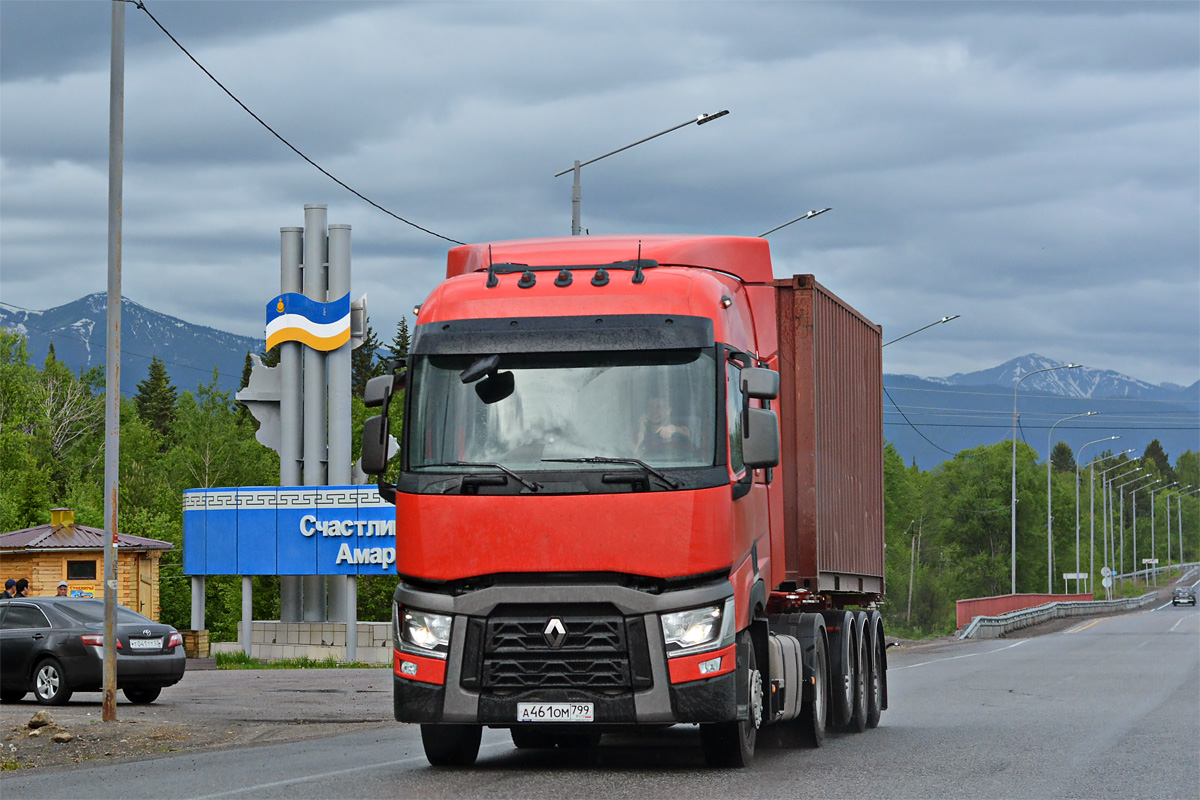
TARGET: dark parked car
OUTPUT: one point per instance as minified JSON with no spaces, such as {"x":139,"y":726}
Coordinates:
{"x":1182,"y":595}
{"x":53,"y":646}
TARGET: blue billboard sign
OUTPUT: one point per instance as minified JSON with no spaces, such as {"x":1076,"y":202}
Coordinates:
{"x":288,"y":530}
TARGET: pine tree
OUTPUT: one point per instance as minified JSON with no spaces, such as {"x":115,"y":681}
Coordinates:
{"x":1061,"y":458}
{"x":1162,"y":464}
{"x":363,"y":362}
{"x":399,"y":345}
{"x":247,"y":368}
{"x":155,"y":399}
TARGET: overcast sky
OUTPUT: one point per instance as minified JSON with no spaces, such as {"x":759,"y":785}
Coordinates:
{"x":1034,"y":167}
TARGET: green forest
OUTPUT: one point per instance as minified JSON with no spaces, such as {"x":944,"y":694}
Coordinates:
{"x":948,"y":529}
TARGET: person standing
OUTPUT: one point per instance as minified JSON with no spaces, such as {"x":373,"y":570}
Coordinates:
{"x":10,"y":589}
{"x":62,"y":589}
{"x":22,"y":588}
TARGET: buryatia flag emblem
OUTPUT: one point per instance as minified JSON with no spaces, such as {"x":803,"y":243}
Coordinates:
{"x":292,"y":317}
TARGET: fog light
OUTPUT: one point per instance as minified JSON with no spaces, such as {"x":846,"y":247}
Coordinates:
{"x":408,"y":668}
{"x":710,"y":666}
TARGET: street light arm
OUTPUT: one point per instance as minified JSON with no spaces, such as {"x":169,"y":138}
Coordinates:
{"x":809,"y":215}
{"x":700,"y":120}
{"x":941,"y":321}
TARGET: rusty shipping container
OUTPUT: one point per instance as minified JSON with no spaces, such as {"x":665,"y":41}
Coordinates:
{"x":830,"y":366}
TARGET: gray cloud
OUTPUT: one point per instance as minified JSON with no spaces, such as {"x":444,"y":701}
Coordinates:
{"x":1031,"y":166}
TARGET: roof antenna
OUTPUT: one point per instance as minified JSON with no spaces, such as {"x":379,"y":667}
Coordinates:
{"x":638,"y":276}
{"x":492,"y":280}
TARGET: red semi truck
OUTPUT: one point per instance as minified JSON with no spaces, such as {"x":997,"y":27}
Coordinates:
{"x":640,"y":484}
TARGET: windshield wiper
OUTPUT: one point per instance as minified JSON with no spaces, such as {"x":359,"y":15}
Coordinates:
{"x":528,"y":484}
{"x":674,"y":483}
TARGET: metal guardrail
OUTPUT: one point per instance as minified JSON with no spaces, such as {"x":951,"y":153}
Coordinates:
{"x":995,"y":627}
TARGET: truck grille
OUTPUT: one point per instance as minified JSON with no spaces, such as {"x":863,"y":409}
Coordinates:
{"x":593,"y":654}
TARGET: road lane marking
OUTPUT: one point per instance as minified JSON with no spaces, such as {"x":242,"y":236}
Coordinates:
{"x":330,"y":774}
{"x":1181,"y":619}
{"x":1160,"y":608}
{"x":1143,"y":644}
{"x":1083,"y":627}
{"x":952,"y":658}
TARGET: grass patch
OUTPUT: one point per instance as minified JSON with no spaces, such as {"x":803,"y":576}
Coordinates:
{"x":240,"y":660}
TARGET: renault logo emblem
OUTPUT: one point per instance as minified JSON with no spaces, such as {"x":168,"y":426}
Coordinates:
{"x":555,"y":632}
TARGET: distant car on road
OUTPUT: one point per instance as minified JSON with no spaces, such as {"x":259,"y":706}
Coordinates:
{"x":1184,"y":595}
{"x":53,"y":646}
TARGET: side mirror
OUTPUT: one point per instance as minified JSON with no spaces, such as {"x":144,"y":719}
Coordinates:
{"x":760,"y":445}
{"x":760,"y":383}
{"x":375,"y":443}
{"x":378,"y":391}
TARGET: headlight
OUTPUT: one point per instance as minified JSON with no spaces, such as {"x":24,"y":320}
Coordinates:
{"x":686,"y":631}
{"x":422,"y":632}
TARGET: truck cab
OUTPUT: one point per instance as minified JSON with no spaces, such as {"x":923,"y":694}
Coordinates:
{"x":589,"y":525}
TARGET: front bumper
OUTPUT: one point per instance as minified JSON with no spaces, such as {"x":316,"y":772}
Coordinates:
{"x":632,"y":689}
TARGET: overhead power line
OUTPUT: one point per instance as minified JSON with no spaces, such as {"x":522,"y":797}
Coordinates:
{"x":276,"y":134}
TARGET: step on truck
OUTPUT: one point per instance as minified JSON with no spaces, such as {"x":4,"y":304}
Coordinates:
{"x":640,"y":483}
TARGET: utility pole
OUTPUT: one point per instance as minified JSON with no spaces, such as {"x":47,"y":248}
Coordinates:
{"x":112,"y":373}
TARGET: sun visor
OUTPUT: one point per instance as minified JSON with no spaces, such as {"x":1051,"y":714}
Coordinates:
{"x":563,"y":334}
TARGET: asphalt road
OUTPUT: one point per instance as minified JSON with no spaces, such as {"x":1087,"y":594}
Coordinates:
{"x":1107,"y":708}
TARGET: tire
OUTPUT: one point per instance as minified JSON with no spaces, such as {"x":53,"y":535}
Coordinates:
{"x":12,"y":695}
{"x":815,"y":715}
{"x":840,"y":652}
{"x":528,"y":738}
{"x":50,"y":685}
{"x":731,"y":744}
{"x":451,"y":745}
{"x":142,"y":694}
{"x":858,"y":683}
{"x":876,"y":676}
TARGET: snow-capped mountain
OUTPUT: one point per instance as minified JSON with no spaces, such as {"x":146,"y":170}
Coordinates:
{"x":78,"y":330}
{"x":1080,"y":382}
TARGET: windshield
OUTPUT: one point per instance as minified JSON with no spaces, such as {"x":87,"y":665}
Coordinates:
{"x":654,"y":406}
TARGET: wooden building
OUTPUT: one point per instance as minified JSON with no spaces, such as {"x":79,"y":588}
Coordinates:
{"x":64,"y":551}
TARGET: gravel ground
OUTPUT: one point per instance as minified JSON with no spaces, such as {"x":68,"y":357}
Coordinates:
{"x":208,"y":709}
{"x":212,"y":709}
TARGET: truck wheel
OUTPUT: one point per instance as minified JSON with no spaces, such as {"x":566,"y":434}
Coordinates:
{"x":731,"y":744}
{"x":815,"y":713}
{"x":532,"y":738}
{"x":858,"y":685}
{"x":876,"y":666}
{"x":840,"y":643}
{"x":451,"y":745}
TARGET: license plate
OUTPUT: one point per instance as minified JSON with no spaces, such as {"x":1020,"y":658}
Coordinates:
{"x":145,"y":644}
{"x":555,"y":712}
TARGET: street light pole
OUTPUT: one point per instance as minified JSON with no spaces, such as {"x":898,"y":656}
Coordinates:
{"x":1092,"y":557}
{"x":1179,"y":519}
{"x":1133,"y":502}
{"x":1104,"y":517}
{"x":1049,"y":515}
{"x":576,"y":191}
{"x":1121,"y":520}
{"x":1153,"y":551}
{"x":1107,"y":492}
{"x":1111,"y":525}
{"x":1014,"y":465}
